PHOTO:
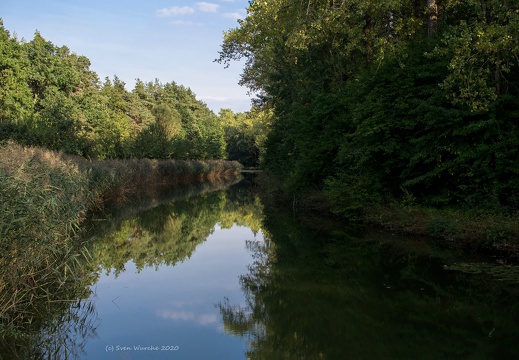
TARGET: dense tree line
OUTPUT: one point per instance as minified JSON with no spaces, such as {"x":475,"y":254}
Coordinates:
{"x":49,"y":97}
{"x":245,"y":134}
{"x":409,"y":99}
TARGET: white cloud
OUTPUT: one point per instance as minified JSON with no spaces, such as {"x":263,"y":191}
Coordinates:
{"x":177,"y":315}
{"x":207,"y":7}
{"x":234,"y":15}
{"x":207,"y":319}
{"x":175,"y":10}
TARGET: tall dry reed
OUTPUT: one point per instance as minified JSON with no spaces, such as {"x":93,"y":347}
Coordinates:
{"x":43,"y":199}
{"x":117,"y":181}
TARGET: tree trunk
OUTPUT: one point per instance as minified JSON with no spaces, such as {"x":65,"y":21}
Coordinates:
{"x":497,"y":79}
{"x":367,"y":35}
{"x":432,"y":18}
{"x":417,"y":8}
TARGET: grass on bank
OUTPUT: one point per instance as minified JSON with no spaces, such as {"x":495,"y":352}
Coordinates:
{"x":44,"y":197}
{"x":472,"y":229}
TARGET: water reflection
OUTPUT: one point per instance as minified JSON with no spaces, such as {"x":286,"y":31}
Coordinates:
{"x":62,"y":330}
{"x":163,"y":270}
{"x":66,"y":336}
{"x":220,"y":276}
{"x":167,"y":232}
{"x":133,"y":256}
{"x":318,"y":292}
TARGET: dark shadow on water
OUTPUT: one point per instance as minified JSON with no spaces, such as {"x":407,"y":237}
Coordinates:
{"x":333,"y":292}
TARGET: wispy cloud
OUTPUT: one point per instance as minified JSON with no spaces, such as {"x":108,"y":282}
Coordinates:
{"x":215,"y":98}
{"x":177,"y":315}
{"x":202,"y":319}
{"x":207,"y":319}
{"x":185,"y":23}
{"x":175,"y":11}
{"x":207,"y":7}
{"x":233,"y":15}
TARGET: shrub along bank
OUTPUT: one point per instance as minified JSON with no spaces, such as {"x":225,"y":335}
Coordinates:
{"x":471,"y":229}
{"x":43,"y":199}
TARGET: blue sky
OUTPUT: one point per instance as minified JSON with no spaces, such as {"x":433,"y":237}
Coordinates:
{"x":146,"y":39}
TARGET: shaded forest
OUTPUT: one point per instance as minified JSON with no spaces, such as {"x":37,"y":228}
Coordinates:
{"x":373,"y":101}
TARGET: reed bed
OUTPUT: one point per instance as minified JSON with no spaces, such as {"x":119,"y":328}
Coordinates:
{"x":44,"y":197}
{"x":117,"y":181}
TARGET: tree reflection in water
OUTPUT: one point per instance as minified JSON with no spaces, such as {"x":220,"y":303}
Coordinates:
{"x":241,"y":321}
{"x":168,"y":231}
{"x":66,"y":336}
{"x":331,"y":292}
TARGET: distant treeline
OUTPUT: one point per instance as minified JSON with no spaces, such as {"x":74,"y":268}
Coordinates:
{"x":374,"y":100}
{"x":49,"y":97}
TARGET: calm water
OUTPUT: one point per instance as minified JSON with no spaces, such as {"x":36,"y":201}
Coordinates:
{"x":220,"y":276}
{"x":172,"y":309}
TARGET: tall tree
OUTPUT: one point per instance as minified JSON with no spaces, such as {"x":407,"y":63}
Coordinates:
{"x":344,"y":77}
{"x":484,"y":48}
{"x":15,"y":95}
{"x":432,"y":18}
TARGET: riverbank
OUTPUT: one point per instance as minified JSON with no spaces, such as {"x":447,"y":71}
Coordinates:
{"x":116,"y":182}
{"x":44,"y":198}
{"x":475,"y":230}
{"x":470,"y":229}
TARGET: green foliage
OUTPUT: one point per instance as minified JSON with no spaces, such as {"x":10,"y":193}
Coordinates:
{"x":55,"y":124}
{"x":104,"y":132}
{"x":483,"y":46}
{"x":49,"y":97}
{"x":396,"y":99}
{"x":168,"y":118}
{"x":245,"y":134}
{"x":152,"y":143}
{"x":351,"y":194}
{"x":440,"y":227}
{"x":15,"y":96}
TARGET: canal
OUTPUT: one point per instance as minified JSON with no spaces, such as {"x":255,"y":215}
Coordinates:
{"x":217,"y":274}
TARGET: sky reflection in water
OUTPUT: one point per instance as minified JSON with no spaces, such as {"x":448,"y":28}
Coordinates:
{"x":174,"y":305}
